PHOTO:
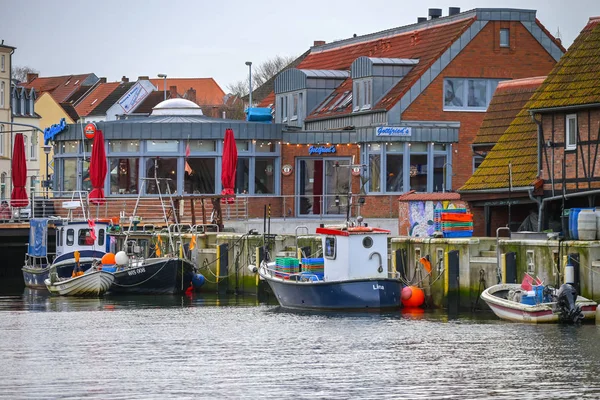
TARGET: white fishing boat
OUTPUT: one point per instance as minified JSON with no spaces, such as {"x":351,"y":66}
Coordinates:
{"x":91,"y":283}
{"x":543,"y":304}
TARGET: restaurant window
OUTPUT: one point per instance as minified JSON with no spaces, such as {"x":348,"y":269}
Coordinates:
{"x":86,"y":182}
{"x":264,"y":176}
{"x":394,"y":171}
{"x":70,"y":146}
{"x":208,"y":146}
{"x":242,"y":145}
{"x":462,"y":94}
{"x":162,"y":146}
{"x":440,"y":167}
{"x":84,"y":238}
{"x":69,"y":174}
{"x":124,"y":175}
{"x":242,"y":176}
{"x":124,"y":146}
{"x":200,"y":175}
{"x":166,"y":171}
{"x":571,"y":132}
{"x":88,"y":146}
{"x":264,"y":146}
{"x":70,"y":237}
{"x":418,"y":167}
{"x":504,"y":37}
{"x":374,"y":150}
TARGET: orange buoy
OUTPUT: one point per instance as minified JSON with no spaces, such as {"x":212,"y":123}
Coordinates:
{"x":412,"y":296}
{"x":108,"y":259}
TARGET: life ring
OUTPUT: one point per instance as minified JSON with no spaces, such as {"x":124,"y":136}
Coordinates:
{"x":360,"y":229}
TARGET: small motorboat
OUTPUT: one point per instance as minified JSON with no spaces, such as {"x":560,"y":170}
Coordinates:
{"x":542,"y":304}
{"x":91,"y":283}
{"x":352,"y":275}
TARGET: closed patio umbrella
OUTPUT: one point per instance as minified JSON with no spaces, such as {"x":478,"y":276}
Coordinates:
{"x":98,"y":170}
{"x":18,"y":197}
{"x":228,"y":166}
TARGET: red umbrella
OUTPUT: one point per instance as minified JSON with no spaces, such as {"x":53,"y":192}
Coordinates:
{"x":98,"y":169}
{"x":18,"y":197}
{"x":228,"y":165}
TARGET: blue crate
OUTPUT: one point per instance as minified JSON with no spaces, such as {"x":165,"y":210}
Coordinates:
{"x":458,"y":234}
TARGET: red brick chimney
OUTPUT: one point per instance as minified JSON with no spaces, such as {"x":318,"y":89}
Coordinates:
{"x":124,"y":79}
{"x":143,"y":78}
{"x":319,"y":42}
{"x":190,"y":94}
{"x":173,"y":90}
{"x":31,"y":76}
{"x":103,"y":80}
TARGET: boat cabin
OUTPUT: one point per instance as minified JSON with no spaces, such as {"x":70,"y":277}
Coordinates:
{"x":354,"y":253}
{"x":77,"y":236}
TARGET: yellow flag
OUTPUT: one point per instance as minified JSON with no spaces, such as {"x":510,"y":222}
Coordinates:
{"x":193,"y":242}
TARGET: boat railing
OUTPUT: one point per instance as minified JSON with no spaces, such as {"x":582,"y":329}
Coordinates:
{"x":201,"y":228}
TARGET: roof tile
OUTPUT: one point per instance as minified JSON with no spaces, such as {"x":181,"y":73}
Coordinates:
{"x":208,"y":92}
{"x":95,"y":97}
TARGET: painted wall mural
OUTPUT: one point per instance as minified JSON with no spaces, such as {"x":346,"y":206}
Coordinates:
{"x":416,"y":217}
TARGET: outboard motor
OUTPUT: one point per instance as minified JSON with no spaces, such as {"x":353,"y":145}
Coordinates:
{"x":566,"y":297}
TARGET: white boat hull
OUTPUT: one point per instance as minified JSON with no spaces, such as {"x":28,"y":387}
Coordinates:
{"x":538,"y":313}
{"x":94,"y":283}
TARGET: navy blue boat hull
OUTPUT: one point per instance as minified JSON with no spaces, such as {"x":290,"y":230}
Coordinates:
{"x":357,"y":294}
{"x":155,"y":276}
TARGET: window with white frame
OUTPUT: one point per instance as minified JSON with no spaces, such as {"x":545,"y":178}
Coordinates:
{"x":33,"y":149}
{"x":367,"y":95}
{"x":31,"y":106}
{"x":504,"y":37}
{"x":463,"y":94}
{"x":25,"y":142}
{"x":32,"y":182}
{"x":285,"y":108}
{"x":295,"y":107}
{"x":300,"y":102}
{"x":571,"y":132}
{"x":357,"y":95}
{"x":3,"y":63}
{"x":2,"y":94}
{"x":2,"y":140}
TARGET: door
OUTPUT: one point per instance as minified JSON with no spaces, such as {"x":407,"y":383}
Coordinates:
{"x":322,"y":186}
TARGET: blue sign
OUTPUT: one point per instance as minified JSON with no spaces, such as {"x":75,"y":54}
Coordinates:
{"x":38,"y":234}
{"x":393,"y":131}
{"x":321,"y":150}
{"x":54,"y":130}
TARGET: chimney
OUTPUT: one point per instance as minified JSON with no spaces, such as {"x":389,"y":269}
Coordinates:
{"x":124,"y":79}
{"x":224,"y":115}
{"x":31,"y":76}
{"x":190,"y":94}
{"x":453,"y":10}
{"x":143,"y":78}
{"x":102,"y":80}
{"x":559,"y":40}
{"x":421,"y":19}
{"x":435,"y":13}
{"x":319,"y":43}
{"x":173,"y":92}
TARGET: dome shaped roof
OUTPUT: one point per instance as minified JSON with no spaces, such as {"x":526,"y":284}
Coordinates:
{"x":176,"y":107}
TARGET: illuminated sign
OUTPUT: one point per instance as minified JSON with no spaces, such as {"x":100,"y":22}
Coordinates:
{"x":393,"y":131}
{"x":321,"y":150}
{"x":54,"y":130}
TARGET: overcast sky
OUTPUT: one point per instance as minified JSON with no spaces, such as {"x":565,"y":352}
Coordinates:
{"x":201,"y":38}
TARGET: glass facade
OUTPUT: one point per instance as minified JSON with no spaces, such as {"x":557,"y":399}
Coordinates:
{"x":124,"y":175}
{"x":200,"y":176}
{"x":166,"y":172}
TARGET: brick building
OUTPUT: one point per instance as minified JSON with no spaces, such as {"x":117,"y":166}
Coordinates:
{"x":552,"y":145}
{"x":402,"y":105}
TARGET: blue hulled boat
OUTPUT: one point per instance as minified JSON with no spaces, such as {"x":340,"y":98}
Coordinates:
{"x":70,"y":236}
{"x":355,"y":274}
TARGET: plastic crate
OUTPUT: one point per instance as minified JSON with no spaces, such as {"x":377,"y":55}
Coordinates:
{"x":452,"y":217}
{"x":458,"y":234}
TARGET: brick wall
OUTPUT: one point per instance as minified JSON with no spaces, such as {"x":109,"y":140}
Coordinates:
{"x":579,"y":164}
{"x":482,"y":58}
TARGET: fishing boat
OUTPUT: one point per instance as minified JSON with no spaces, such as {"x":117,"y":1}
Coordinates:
{"x":541,"y":304}
{"x":354,"y":274}
{"x":89,"y":238}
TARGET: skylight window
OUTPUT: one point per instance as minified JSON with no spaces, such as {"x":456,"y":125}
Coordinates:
{"x":347,"y":100}
{"x":67,"y":84}
{"x":338,"y":101}
{"x":94,"y":102}
{"x":76,"y":82}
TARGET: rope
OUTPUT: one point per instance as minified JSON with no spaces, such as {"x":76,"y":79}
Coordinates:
{"x":161,"y":268}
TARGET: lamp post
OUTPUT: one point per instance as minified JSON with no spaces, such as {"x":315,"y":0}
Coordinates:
{"x":249,"y":64}
{"x":165,"y":85}
{"x":47,"y":150}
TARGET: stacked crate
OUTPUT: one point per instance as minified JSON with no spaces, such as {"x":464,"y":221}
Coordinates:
{"x":313,"y":266}
{"x":456,"y":223}
{"x":284,"y":266}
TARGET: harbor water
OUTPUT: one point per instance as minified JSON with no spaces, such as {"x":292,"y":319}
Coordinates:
{"x":172,"y":347}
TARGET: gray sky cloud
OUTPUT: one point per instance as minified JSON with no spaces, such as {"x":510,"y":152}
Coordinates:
{"x":186,"y":38}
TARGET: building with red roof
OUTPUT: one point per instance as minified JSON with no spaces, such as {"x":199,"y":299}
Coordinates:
{"x":60,"y":87}
{"x":403,"y":105}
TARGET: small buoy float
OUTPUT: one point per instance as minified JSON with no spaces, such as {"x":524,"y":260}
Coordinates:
{"x":108,"y":259}
{"x":412,"y":296}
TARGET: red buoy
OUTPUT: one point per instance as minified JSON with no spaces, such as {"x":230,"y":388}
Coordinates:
{"x":412,"y":296}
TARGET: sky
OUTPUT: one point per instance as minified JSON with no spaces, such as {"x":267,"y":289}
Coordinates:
{"x":200,"y":38}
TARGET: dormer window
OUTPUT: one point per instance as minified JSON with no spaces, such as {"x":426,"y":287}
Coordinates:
{"x":362,"y":94}
{"x":295,"y":107}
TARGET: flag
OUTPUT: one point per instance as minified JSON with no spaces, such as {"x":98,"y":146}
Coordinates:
{"x":158,"y":246}
{"x":92,"y":225}
{"x":187,"y":149}
{"x":188,"y":169}
{"x":193,"y":242}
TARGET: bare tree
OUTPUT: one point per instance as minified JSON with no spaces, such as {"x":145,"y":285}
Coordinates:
{"x":19,"y":72}
{"x":239,"y":88}
{"x":269,"y":69}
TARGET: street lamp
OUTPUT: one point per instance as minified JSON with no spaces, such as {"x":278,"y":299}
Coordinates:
{"x":47,"y":150}
{"x":165,"y":85}
{"x":249,"y":64}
